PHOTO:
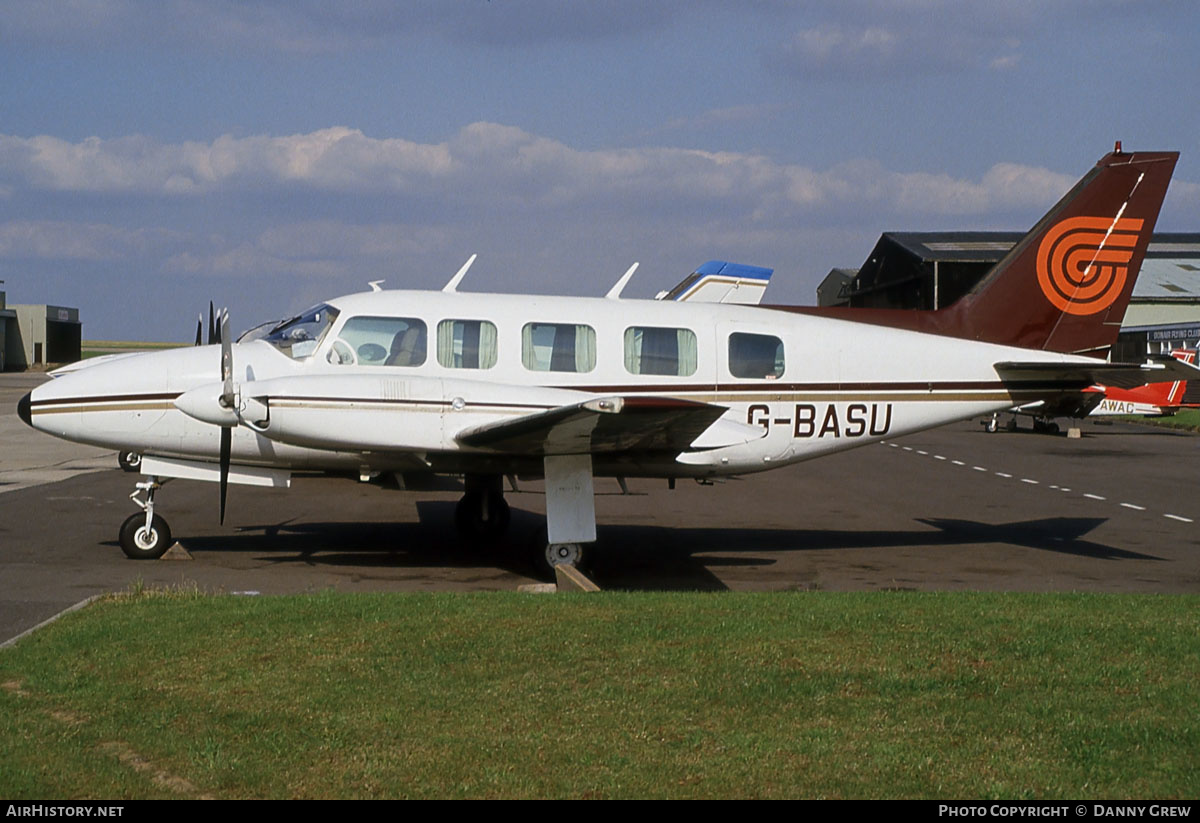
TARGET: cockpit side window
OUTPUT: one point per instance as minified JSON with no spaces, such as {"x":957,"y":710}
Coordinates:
{"x":299,"y":337}
{"x":380,"y":341}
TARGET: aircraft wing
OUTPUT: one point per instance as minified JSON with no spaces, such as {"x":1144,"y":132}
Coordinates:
{"x":611,"y":424}
{"x":1158,"y":369}
{"x":1077,"y":404}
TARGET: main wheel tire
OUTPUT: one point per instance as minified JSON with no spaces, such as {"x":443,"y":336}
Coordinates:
{"x":140,"y":543}
{"x":130,"y":461}
{"x":546,"y":555}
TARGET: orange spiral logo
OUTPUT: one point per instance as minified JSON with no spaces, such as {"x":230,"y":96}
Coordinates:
{"x":1083,"y":262}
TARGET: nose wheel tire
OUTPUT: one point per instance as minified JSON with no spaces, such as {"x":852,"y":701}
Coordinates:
{"x":141,"y":543}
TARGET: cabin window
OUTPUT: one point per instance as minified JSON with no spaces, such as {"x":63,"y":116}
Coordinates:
{"x":558,"y":347}
{"x":758,"y":356}
{"x":466,"y":344}
{"x":380,"y":341}
{"x":299,"y":336}
{"x":660,"y":351}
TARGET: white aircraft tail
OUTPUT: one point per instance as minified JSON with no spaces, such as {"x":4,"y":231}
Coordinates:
{"x":719,"y":282}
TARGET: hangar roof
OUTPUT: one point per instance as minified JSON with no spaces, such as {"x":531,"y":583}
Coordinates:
{"x":1170,"y":271}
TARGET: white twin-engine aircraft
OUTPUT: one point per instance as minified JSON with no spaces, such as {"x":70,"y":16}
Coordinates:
{"x":566,"y":388}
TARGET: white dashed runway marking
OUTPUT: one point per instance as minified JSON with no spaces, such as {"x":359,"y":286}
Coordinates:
{"x":1032,"y":482}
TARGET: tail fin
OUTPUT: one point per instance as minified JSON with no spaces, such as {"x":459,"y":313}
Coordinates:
{"x":719,"y":282}
{"x":1065,"y":286}
{"x":1177,"y":396}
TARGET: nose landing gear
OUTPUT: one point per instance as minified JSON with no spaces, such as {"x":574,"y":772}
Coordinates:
{"x":145,"y":536}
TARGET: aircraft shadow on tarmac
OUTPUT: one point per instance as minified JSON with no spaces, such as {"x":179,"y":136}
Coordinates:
{"x":627,"y":556}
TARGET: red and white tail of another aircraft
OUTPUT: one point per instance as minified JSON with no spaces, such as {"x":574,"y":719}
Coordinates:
{"x":1152,"y":400}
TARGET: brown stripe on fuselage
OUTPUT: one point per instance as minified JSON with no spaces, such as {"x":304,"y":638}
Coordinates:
{"x":105,"y":398}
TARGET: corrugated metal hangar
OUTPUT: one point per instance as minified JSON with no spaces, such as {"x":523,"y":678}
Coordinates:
{"x":930,"y":270}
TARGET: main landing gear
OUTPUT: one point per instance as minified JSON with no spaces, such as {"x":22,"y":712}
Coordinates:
{"x":483,"y":516}
{"x":145,"y":536}
{"x":547,"y":555}
{"x":129,"y":461}
{"x":482,"y":513}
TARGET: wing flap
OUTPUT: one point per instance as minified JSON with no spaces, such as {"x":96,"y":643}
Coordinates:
{"x":603,"y":425}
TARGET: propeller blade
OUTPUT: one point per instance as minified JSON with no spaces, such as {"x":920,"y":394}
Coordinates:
{"x":199,"y":329}
{"x":226,"y":362}
{"x":228,"y":399}
{"x":212,"y":325}
{"x":226,"y":442}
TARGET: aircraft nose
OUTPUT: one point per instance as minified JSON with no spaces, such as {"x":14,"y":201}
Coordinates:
{"x":23,"y":410}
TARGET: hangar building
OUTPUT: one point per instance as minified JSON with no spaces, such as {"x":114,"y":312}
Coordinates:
{"x":37,"y":335}
{"x":930,"y":270}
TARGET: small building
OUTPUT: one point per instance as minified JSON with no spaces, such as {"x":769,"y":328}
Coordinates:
{"x":40,"y":335}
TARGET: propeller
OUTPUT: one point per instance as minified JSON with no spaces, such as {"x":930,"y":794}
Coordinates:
{"x":228,"y":401}
{"x":216,"y":325}
{"x":223,"y":405}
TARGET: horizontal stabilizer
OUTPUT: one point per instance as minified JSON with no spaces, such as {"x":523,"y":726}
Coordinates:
{"x":719,"y":282}
{"x":1158,"y":369}
{"x":603,"y":425}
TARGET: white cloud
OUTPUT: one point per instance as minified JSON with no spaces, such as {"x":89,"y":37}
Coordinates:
{"x":333,"y":158}
{"x":487,"y":164}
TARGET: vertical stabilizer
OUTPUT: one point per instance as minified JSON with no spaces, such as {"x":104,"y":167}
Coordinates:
{"x":1066,"y":285}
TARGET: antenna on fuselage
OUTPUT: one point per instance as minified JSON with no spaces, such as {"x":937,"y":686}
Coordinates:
{"x":615,"y":292}
{"x":452,"y":286}
{"x":375,"y":285}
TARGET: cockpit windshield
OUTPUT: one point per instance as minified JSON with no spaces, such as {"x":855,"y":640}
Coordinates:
{"x":299,"y":337}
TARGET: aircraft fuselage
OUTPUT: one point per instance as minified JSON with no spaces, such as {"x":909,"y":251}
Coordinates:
{"x":794,"y":387}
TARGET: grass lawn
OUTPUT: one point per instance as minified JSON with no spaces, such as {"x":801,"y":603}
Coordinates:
{"x":1188,"y":419}
{"x":97,"y":348}
{"x":611,"y":695}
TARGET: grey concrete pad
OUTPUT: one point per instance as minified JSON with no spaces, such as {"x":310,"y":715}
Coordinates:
{"x":31,"y":458}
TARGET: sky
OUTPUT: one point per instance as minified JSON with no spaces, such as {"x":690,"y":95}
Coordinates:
{"x":158,"y":154}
